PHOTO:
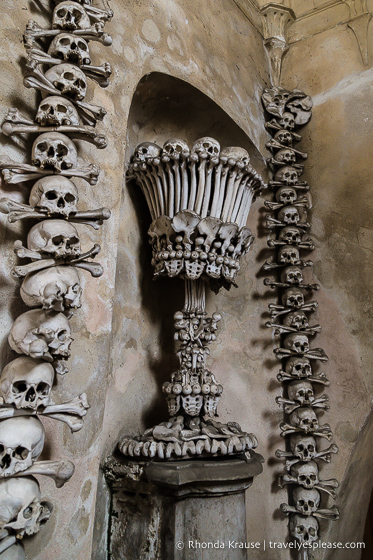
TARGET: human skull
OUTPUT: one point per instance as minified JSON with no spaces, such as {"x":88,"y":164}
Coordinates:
{"x":56,"y":194}
{"x":293,"y":297}
{"x":304,"y":528}
{"x":70,"y":16}
{"x":287,"y":175}
{"x":297,"y":342}
{"x":287,"y":121}
{"x":27,"y":383}
{"x":41,"y":334}
{"x":146,"y":151}
{"x":290,"y":235}
{"x":274,"y":100}
{"x":235,"y":153}
{"x":57,"y":111}
{"x":70,"y":48}
{"x":286,"y":195}
{"x":287,"y":254}
{"x":301,"y":392}
{"x":289,"y":215}
{"x":298,"y":367}
{"x":175,"y":149}
{"x":54,"y":151}
{"x":21,"y":443}
{"x":285,"y":156}
{"x":303,"y":447}
{"x":284,"y":137}
{"x":306,"y":501}
{"x":304,"y":419}
{"x":292,"y":275}
{"x":14,"y":552}
{"x":54,"y":238}
{"x":69,"y":80}
{"x":307,"y":474}
{"x":58,"y":288}
{"x":297,"y":319}
{"x":21,"y":510}
{"x":206,"y":146}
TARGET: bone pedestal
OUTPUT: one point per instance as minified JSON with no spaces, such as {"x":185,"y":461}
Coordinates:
{"x":180,"y":502}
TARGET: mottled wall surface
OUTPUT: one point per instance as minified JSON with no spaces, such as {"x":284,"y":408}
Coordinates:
{"x":123,"y":348}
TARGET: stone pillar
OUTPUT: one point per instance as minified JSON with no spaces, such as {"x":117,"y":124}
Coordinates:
{"x":180,"y":510}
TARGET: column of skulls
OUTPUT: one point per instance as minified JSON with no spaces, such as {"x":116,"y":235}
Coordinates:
{"x":199,"y":199}
{"x":293,"y":329}
{"x":59,"y":65}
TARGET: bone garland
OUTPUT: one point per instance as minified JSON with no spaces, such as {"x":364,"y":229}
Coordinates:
{"x":192,"y":395}
{"x":52,"y":285}
{"x":291,"y":323}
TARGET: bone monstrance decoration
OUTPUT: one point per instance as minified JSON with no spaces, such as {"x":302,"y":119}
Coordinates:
{"x":292,"y":328}
{"x":59,"y":66}
{"x":199,"y":200}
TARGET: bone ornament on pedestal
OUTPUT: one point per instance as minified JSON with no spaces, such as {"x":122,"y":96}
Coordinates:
{"x":199,"y":200}
{"x":290,"y":319}
{"x":51,"y":281}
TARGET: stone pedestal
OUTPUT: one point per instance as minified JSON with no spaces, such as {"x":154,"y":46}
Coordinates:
{"x":180,"y":510}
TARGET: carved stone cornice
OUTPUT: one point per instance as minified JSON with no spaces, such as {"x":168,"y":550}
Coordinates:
{"x":306,"y":21}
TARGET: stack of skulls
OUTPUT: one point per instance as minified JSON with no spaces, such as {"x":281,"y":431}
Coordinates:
{"x":59,"y":63}
{"x":290,"y":321}
{"x":199,"y":200}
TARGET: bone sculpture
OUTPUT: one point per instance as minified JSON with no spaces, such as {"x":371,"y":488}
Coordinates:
{"x":51,"y":283}
{"x":290,"y":320}
{"x":199,"y":200}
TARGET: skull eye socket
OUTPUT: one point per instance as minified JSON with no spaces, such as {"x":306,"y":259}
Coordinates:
{"x":300,"y":447}
{"x":82,"y":46}
{"x":58,"y":240}
{"x":61,"y":150}
{"x":61,"y":109}
{"x":70,"y":198}
{"x":300,"y":529}
{"x":72,"y":241}
{"x":51,"y":195}
{"x":312,"y":531}
{"x":62,"y":335}
{"x":311,"y":448}
{"x":301,"y":502}
{"x":313,"y":477}
{"x":61,"y":12}
{"x":19,"y":386}
{"x":45,"y":107}
{"x":42,"y":388}
{"x":311,"y":503}
{"x":42,"y":147}
{"x":20,"y":453}
{"x":27,"y":512}
{"x":302,"y":478}
{"x":64,"y":41}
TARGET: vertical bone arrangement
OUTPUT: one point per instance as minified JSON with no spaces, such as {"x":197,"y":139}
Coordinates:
{"x":199,"y":199}
{"x":303,"y":384}
{"x":52,"y":257}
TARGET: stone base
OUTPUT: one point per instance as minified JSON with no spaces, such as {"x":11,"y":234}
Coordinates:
{"x":157,"y":505}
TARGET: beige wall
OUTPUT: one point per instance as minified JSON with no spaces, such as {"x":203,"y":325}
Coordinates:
{"x":123,"y":348}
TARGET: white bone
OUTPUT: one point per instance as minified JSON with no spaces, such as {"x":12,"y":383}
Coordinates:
{"x":59,"y":471}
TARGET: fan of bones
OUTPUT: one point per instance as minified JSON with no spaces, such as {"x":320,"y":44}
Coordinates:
{"x":302,"y":381}
{"x":59,"y":66}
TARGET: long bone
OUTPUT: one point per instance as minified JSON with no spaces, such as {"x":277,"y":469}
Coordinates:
{"x":173,"y":200}
{"x":235,"y":174}
{"x":153,"y":188}
{"x":290,"y":406}
{"x":319,"y":378}
{"x":303,"y":201}
{"x":324,"y":485}
{"x":273,"y":223}
{"x":324,"y":455}
{"x":218,"y":171}
{"x":12,"y":171}
{"x":95,"y":269}
{"x":37,"y":80}
{"x":276,"y":310}
{"x":203,"y":161}
{"x":332,"y":513}
{"x":213,"y":162}
{"x":173,"y":186}
{"x":80,"y":132}
{"x":134,"y":169}
{"x":71,"y":413}
{"x":159,"y":172}
{"x":301,"y":185}
{"x":6,"y":542}
{"x":98,"y":14}
{"x":192,"y":164}
{"x":275,"y":145}
{"x":98,"y":73}
{"x":93,"y":33}
{"x":233,"y":217}
{"x":60,"y":471}
{"x":308,"y":287}
{"x":312,"y":354}
{"x":271,"y":265}
{"x":304,"y":244}
{"x":321,"y":431}
{"x":275,"y":126}
{"x":282,"y":329}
